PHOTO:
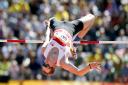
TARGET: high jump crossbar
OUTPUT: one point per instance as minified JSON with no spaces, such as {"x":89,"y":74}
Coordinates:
{"x":83,"y":42}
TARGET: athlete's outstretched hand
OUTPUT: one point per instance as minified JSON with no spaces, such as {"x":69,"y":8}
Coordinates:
{"x":95,"y":66}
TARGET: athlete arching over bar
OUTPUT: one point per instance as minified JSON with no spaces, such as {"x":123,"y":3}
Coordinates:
{"x":57,"y":49}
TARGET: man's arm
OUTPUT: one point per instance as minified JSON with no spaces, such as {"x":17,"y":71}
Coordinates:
{"x":80,"y":72}
{"x":47,"y":38}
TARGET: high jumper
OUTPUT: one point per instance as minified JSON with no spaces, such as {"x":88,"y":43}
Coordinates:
{"x":58,"y":46}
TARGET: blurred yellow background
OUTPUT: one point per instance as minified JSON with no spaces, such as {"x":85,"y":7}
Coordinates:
{"x":39,"y":82}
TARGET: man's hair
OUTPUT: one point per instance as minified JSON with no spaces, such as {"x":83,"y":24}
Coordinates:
{"x":49,"y":73}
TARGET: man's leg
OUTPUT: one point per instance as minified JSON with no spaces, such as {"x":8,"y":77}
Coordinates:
{"x":87,"y":21}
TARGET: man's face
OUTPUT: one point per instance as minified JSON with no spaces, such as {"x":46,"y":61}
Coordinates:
{"x":46,"y":69}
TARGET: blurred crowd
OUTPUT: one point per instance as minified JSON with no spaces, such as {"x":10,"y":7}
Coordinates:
{"x":23,"y":19}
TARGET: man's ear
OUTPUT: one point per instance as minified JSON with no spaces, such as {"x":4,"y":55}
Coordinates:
{"x":42,"y":69}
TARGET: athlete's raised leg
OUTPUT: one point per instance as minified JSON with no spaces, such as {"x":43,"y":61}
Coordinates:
{"x":87,"y":21}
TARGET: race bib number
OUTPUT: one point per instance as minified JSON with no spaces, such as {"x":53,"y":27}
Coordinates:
{"x":63,"y":36}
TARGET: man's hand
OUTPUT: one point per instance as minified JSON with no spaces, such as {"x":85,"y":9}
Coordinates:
{"x":73,"y":52}
{"x":47,"y":22}
{"x":96,"y":66}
